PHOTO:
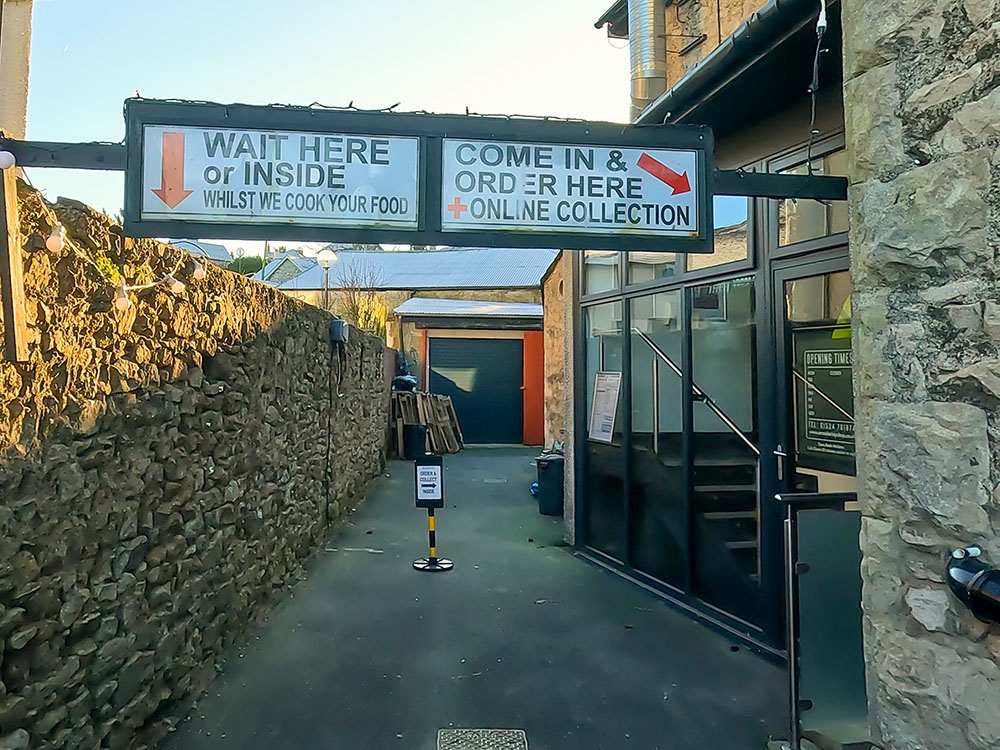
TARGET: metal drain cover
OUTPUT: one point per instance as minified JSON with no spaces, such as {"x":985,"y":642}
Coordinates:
{"x":482,"y":739}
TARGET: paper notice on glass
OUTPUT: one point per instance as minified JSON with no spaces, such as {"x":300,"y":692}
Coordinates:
{"x":605,"y":406}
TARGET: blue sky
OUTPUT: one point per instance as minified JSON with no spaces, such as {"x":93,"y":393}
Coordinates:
{"x":532,"y":57}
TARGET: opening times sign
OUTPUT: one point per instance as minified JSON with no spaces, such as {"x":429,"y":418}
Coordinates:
{"x":237,"y":171}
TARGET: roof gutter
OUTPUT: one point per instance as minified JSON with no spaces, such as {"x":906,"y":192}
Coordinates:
{"x":756,"y":37}
{"x":613,"y":16}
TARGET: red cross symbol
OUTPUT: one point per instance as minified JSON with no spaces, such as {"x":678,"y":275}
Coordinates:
{"x":457,"y":207}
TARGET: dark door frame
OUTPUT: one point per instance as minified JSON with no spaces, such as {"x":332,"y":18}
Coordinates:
{"x":777,"y":417}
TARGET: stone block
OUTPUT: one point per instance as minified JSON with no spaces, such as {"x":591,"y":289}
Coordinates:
{"x":874,"y":131}
{"x":18,"y":740}
{"x":944,"y":89}
{"x":979,"y":381}
{"x":927,"y":223}
{"x":930,"y":607}
{"x":929,"y":463}
{"x":991,"y":319}
{"x":877,"y":30}
{"x":965,"y":317}
{"x":971,"y":126}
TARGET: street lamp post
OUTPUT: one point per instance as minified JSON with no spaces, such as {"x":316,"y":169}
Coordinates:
{"x":326,"y":258}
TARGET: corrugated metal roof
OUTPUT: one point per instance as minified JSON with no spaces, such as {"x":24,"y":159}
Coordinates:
{"x":468,"y":308}
{"x":459,"y":268}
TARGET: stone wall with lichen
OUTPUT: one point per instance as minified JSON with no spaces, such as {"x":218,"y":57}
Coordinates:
{"x":922,"y":103}
{"x":164,"y":471}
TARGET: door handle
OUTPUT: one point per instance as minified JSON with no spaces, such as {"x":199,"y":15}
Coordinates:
{"x":779,"y":452}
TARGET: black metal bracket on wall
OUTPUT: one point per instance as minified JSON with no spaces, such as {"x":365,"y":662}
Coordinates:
{"x":112,"y":157}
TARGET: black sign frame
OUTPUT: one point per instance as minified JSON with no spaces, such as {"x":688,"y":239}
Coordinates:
{"x":430,"y":130}
{"x":427,"y":460}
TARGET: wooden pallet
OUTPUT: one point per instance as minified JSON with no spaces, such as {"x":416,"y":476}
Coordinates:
{"x":435,"y":412}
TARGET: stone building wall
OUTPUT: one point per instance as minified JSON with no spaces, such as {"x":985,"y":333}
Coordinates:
{"x":686,"y":21}
{"x":554,"y":338}
{"x":164,"y":472}
{"x":922,"y":103}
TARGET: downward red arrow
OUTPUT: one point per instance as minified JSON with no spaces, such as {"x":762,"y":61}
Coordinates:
{"x":677,"y":182}
{"x":172,"y":190}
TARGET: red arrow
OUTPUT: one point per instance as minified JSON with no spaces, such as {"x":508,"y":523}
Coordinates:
{"x":677,"y":182}
{"x":172,"y":190}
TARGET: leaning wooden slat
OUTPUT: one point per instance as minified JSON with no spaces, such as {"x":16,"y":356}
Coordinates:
{"x":15,"y":326}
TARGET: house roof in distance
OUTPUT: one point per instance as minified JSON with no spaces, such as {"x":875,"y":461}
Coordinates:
{"x":296,"y":258}
{"x":458,"y":268}
{"x":204,"y":249}
{"x":460,"y":308}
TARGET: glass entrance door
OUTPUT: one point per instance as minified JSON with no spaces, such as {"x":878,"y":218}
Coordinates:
{"x":816,"y":379}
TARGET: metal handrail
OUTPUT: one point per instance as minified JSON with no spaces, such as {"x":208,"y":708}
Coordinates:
{"x":819,"y":390}
{"x":698,"y":392}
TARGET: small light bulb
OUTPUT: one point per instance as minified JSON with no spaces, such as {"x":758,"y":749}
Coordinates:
{"x":122,"y":302}
{"x":55,"y":241}
{"x":173,"y":284}
{"x":199,"y":271}
{"x":7,"y":160}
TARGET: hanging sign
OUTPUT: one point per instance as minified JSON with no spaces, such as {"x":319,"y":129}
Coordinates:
{"x":237,"y":171}
{"x":534,"y":187}
{"x":279,"y":177}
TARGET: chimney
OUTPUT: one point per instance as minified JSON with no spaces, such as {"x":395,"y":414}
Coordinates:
{"x":647,"y":43}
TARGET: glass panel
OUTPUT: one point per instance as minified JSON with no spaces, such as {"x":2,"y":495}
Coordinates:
{"x":831,"y":656}
{"x":724,"y":487}
{"x":647,"y":266}
{"x":600,"y":271}
{"x":604,"y":484}
{"x":800,"y":220}
{"x":818,"y":315}
{"x":731,"y":213}
{"x":657,"y":516}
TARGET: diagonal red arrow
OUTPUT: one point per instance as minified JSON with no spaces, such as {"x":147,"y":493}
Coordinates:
{"x":677,"y":182}
{"x":172,"y":190}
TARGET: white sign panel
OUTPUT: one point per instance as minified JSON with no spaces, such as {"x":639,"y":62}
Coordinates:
{"x":563,"y":188}
{"x":429,"y":483}
{"x":279,"y":177}
{"x":605,"y":406}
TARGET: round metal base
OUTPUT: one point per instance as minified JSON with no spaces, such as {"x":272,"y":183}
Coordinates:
{"x":440,"y":564}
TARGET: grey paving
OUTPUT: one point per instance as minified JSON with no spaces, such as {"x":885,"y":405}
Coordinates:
{"x":368,"y":654}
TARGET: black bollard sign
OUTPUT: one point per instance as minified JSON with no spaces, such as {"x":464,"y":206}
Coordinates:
{"x":429,"y":481}
{"x":429,"y":484}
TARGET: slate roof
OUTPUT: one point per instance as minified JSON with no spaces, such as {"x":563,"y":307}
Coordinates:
{"x":458,"y":268}
{"x":460,"y":308}
{"x":204,"y":250}
{"x":299,"y":260}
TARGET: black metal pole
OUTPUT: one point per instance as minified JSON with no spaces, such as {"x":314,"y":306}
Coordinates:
{"x":432,"y":563}
{"x":432,"y":557}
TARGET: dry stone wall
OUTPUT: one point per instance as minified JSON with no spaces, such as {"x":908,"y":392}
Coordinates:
{"x":922,"y":105}
{"x":164,"y":471}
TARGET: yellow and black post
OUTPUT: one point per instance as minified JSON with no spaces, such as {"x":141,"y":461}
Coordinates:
{"x":429,"y":478}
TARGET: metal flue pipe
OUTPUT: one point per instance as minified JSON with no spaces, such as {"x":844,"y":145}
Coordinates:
{"x":647,"y":41}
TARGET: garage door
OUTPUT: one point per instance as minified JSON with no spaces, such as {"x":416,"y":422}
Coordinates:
{"x":483,"y":378}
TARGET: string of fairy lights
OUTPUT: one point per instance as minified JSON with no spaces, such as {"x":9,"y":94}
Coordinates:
{"x":57,"y":240}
